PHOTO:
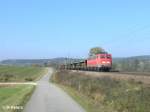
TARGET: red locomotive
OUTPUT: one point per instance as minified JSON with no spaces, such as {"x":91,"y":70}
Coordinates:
{"x":98,"y":62}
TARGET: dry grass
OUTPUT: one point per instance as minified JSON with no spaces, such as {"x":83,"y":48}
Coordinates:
{"x":105,"y":92}
{"x":118,"y":76}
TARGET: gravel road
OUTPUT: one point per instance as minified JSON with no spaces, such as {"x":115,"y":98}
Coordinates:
{"x":49,"y":98}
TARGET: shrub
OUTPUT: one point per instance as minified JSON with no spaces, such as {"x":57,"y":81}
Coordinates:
{"x":29,"y":79}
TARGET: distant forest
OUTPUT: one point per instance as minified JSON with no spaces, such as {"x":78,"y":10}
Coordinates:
{"x":132,"y":64}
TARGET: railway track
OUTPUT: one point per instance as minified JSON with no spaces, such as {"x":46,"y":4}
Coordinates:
{"x":118,"y":72}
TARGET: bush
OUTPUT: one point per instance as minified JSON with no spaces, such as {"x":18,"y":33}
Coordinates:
{"x":29,"y":79}
{"x":6,"y":77}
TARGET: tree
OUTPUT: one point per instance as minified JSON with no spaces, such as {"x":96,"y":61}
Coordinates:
{"x":96,"y":50}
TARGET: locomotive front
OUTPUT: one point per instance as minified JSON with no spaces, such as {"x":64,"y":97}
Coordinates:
{"x":100,"y":62}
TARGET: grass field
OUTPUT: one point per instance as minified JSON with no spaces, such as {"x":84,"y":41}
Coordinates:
{"x":105,"y":94}
{"x":13,"y":98}
{"x":20,"y":74}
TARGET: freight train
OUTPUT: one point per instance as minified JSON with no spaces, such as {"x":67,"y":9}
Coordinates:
{"x":98,"y":62}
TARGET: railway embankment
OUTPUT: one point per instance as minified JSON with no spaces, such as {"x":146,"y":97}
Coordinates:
{"x":134,"y":76}
{"x":103,"y":92}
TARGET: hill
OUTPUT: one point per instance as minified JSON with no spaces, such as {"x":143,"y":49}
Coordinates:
{"x":42,"y":62}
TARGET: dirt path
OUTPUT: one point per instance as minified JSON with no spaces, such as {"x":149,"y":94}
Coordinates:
{"x":49,"y":98}
{"x":18,"y":83}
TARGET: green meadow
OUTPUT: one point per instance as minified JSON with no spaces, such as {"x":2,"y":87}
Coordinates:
{"x":20,"y":74}
{"x":13,"y":98}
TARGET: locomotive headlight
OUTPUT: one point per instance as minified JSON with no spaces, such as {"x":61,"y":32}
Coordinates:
{"x":108,"y":62}
{"x":103,"y":62}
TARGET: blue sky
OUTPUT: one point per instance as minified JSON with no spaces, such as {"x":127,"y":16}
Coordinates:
{"x":59,"y":28}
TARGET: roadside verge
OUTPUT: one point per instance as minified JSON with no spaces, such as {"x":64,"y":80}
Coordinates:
{"x":104,"y":94}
